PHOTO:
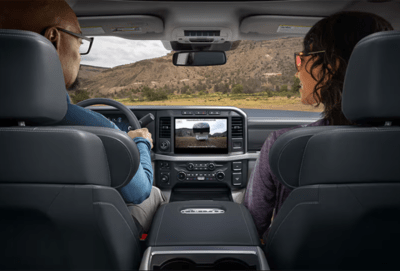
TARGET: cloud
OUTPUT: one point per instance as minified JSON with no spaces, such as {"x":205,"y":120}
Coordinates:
{"x":113,"y":51}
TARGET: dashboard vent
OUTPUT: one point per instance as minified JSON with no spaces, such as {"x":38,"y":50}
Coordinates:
{"x":165,"y":127}
{"x":237,"y":127}
{"x":196,"y":33}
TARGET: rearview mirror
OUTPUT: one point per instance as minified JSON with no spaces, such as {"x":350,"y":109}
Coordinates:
{"x":209,"y":58}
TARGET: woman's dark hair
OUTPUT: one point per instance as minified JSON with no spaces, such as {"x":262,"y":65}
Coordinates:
{"x":337,"y":35}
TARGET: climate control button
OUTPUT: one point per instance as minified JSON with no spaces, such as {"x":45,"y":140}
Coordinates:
{"x":211,"y":166}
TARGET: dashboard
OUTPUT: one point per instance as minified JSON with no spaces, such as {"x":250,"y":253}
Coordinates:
{"x":207,"y":152}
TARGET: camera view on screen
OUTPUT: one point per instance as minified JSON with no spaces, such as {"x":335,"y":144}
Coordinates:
{"x":201,"y":136}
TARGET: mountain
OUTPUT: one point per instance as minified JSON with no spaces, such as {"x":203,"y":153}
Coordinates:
{"x":252,"y":62}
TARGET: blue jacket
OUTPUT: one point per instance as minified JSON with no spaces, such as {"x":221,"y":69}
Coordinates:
{"x":139,"y":187}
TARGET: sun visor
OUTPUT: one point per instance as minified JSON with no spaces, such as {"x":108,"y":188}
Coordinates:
{"x":123,"y":26}
{"x":276,"y":26}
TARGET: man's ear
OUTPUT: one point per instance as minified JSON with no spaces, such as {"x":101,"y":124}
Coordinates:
{"x":53,"y":35}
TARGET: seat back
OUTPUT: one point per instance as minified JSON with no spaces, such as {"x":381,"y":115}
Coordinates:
{"x":344,"y":211}
{"x":58,"y":205}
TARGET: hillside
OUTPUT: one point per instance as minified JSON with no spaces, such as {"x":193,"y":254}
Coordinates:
{"x":249,"y":62}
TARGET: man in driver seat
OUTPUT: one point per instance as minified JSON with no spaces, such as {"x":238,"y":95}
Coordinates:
{"x":58,"y":23}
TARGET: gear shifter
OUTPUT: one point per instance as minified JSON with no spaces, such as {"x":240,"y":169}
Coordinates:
{"x":146,"y":120}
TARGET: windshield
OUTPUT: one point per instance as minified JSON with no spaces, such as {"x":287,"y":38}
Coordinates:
{"x":257,"y":75}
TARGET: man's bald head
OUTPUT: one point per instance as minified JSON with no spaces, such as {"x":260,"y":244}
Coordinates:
{"x":36,"y":15}
{"x":47,"y":17}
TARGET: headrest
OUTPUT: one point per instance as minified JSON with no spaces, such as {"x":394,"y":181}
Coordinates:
{"x":52,"y":156}
{"x":371,"y":91}
{"x":336,"y":155}
{"x":31,"y":79}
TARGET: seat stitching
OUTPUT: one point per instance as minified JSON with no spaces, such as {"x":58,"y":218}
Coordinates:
{"x":352,"y":192}
{"x":302,"y":203}
{"x":129,"y":156}
{"x":281,"y":153}
{"x":112,"y":205}
{"x":245,"y":222}
{"x":56,"y":196}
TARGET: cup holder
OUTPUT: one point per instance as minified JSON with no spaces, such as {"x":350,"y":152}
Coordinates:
{"x":232,"y":264}
{"x":177,"y":264}
{"x":222,"y":264}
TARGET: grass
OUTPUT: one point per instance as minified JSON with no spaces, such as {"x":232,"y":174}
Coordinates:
{"x":254,"y":102}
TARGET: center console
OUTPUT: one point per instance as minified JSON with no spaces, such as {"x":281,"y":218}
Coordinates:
{"x":201,"y":150}
{"x":200,"y":163}
{"x":210,"y":235}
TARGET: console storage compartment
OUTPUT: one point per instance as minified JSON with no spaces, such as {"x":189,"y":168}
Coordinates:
{"x":203,"y":235}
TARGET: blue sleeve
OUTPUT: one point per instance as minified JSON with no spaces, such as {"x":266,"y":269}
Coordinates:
{"x":77,"y":115}
{"x":139,"y":187}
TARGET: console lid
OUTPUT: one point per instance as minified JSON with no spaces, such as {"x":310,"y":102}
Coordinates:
{"x":211,"y":223}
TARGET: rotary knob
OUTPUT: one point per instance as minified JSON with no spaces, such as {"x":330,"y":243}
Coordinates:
{"x":190,"y":166}
{"x":220,"y":176}
{"x":164,"y":145}
{"x":181,"y":176}
{"x":211,"y":166}
{"x":164,"y":178}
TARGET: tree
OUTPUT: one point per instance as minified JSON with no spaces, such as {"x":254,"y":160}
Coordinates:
{"x":237,"y":89}
{"x":296,"y":84}
{"x":79,"y":95}
{"x":284,"y":88}
{"x":224,"y":88}
{"x":154,"y":95}
{"x":252,"y":85}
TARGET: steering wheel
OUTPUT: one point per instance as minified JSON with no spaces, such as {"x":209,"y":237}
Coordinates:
{"x":132,"y":119}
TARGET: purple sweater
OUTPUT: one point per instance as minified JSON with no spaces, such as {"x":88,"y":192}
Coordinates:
{"x":264,"y":192}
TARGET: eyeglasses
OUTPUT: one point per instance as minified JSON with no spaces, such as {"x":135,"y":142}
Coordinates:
{"x":86,"y":44}
{"x":299,"y":55}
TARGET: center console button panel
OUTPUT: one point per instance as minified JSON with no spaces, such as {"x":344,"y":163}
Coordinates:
{"x":188,"y":139}
{"x":171,"y":173}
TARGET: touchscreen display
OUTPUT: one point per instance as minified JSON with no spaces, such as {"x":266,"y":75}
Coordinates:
{"x":201,"y":136}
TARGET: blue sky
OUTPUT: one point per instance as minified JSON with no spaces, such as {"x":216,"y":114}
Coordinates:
{"x":112,"y":51}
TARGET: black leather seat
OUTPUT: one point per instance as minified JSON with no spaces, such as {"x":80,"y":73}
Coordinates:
{"x":344,"y":212}
{"x":59,"y":208}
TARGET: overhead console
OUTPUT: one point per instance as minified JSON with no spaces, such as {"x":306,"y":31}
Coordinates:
{"x":203,"y":148}
{"x":201,"y":34}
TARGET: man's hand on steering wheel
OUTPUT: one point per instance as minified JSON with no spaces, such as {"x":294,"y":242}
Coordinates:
{"x":141,"y":133}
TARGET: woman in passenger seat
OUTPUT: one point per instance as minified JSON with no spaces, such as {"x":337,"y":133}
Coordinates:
{"x":321,"y":68}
